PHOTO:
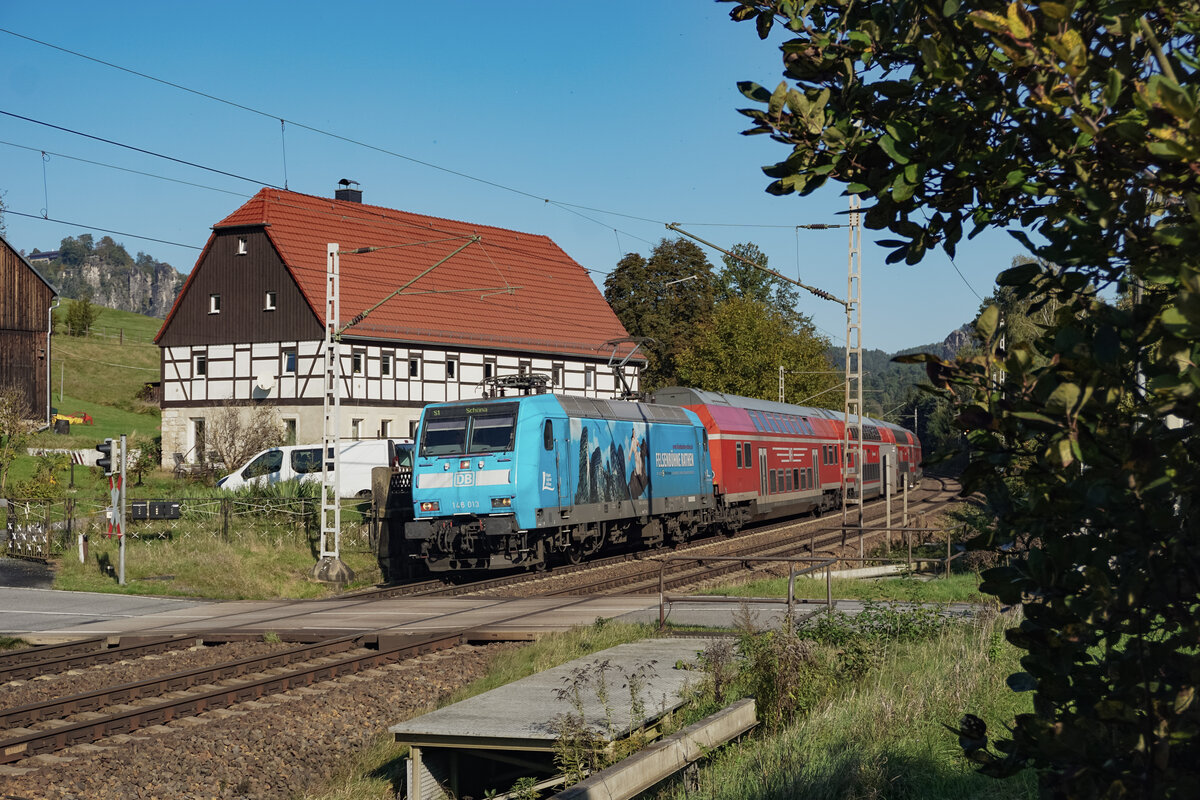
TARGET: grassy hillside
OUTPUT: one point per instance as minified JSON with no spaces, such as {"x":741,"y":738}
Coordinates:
{"x":102,"y":374}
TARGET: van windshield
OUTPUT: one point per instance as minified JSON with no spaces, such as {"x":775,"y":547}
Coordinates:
{"x":462,"y":430}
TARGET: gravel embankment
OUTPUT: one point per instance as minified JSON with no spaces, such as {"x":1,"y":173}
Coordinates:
{"x":278,"y":747}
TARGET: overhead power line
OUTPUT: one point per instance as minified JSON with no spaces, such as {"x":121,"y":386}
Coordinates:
{"x":139,"y":149}
{"x":284,"y":120}
{"x":122,"y":169}
{"x":102,"y":230}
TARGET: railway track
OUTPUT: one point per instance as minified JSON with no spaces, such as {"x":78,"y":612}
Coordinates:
{"x":52,"y":725}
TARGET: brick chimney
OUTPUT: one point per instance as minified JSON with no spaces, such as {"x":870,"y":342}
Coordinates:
{"x":348,"y":190}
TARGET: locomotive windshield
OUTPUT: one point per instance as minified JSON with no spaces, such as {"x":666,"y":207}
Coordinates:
{"x":462,"y":430}
{"x":492,"y":432}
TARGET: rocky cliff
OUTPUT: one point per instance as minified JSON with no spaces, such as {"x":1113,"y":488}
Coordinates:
{"x":108,"y":276}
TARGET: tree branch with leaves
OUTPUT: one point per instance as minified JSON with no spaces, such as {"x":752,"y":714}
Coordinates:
{"x":1075,"y":126}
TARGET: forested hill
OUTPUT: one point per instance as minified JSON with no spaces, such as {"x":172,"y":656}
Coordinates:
{"x":888,"y":385}
{"x":104,"y":273}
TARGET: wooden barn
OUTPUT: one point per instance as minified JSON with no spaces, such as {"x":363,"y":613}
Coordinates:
{"x":248,"y":326}
{"x":26,"y":301}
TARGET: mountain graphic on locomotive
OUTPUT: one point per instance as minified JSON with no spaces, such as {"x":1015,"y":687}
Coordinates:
{"x":524,"y":482}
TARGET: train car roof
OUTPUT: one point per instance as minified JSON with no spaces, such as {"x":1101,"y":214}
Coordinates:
{"x":685,"y":396}
{"x":595,"y":408}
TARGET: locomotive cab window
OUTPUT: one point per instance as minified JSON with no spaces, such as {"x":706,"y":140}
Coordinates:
{"x":492,"y":432}
{"x":548,"y":435}
{"x":472,"y":429}
{"x":444,"y":437}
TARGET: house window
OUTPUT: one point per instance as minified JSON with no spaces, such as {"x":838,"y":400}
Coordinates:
{"x":241,"y":251}
{"x":289,"y":362}
{"x":556,"y":373}
{"x":451,"y":368}
{"x":589,"y":377}
{"x":356,"y":428}
{"x":489,"y":369}
{"x":214,"y":304}
{"x":385,"y":428}
{"x":201,"y":366}
{"x":412,"y":428}
{"x":289,"y":431}
{"x":198,"y":441}
{"x":269,"y":302}
{"x":385,"y":366}
{"x":414,"y":367}
{"x":356,"y":363}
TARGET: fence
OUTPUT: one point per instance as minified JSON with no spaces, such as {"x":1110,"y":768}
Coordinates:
{"x":42,"y":529}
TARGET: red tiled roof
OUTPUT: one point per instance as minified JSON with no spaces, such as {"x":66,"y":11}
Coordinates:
{"x":526,"y":294}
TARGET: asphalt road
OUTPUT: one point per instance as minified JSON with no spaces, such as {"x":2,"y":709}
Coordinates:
{"x":22,"y":574}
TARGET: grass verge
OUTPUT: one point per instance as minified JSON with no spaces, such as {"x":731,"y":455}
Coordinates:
{"x":249,"y":566}
{"x":883,"y":736}
{"x":958,"y":588}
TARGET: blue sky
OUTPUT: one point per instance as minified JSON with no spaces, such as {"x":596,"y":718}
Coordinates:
{"x":622,"y":114}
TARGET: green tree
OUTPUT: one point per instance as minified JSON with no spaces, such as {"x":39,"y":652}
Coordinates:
{"x":15,"y":429}
{"x":81,"y":316}
{"x":663,"y":297}
{"x":1076,"y":125}
{"x":741,"y":347}
{"x":72,"y":251}
{"x":738,"y":278}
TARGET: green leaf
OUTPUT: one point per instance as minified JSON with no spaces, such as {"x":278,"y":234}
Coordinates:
{"x":889,"y":146}
{"x":1020,"y":23}
{"x":987,"y":323}
{"x":763,"y":23}
{"x":778,"y":97}
{"x":1020,"y":275}
{"x":1112,"y":87}
{"x":755,"y":92}
{"x":950,"y":8}
{"x":1064,"y":398}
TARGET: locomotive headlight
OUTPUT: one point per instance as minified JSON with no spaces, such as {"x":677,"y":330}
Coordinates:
{"x":501,"y":502}
{"x":430,"y":505}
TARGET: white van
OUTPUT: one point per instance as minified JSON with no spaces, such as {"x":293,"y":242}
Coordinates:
{"x":302,"y":462}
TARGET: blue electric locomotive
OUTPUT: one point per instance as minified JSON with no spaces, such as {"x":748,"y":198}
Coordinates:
{"x":525,"y":481}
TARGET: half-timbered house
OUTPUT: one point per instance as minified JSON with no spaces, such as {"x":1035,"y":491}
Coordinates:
{"x":477,"y":303}
{"x":27,"y":301}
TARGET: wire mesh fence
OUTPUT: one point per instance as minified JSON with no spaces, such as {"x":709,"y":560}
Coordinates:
{"x":40,"y":528}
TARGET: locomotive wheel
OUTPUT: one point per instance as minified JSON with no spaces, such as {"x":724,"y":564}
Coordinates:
{"x":574,"y":554}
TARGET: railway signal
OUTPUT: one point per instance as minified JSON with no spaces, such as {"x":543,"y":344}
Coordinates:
{"x":112,"y":459}
{"x":106,"y":456}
